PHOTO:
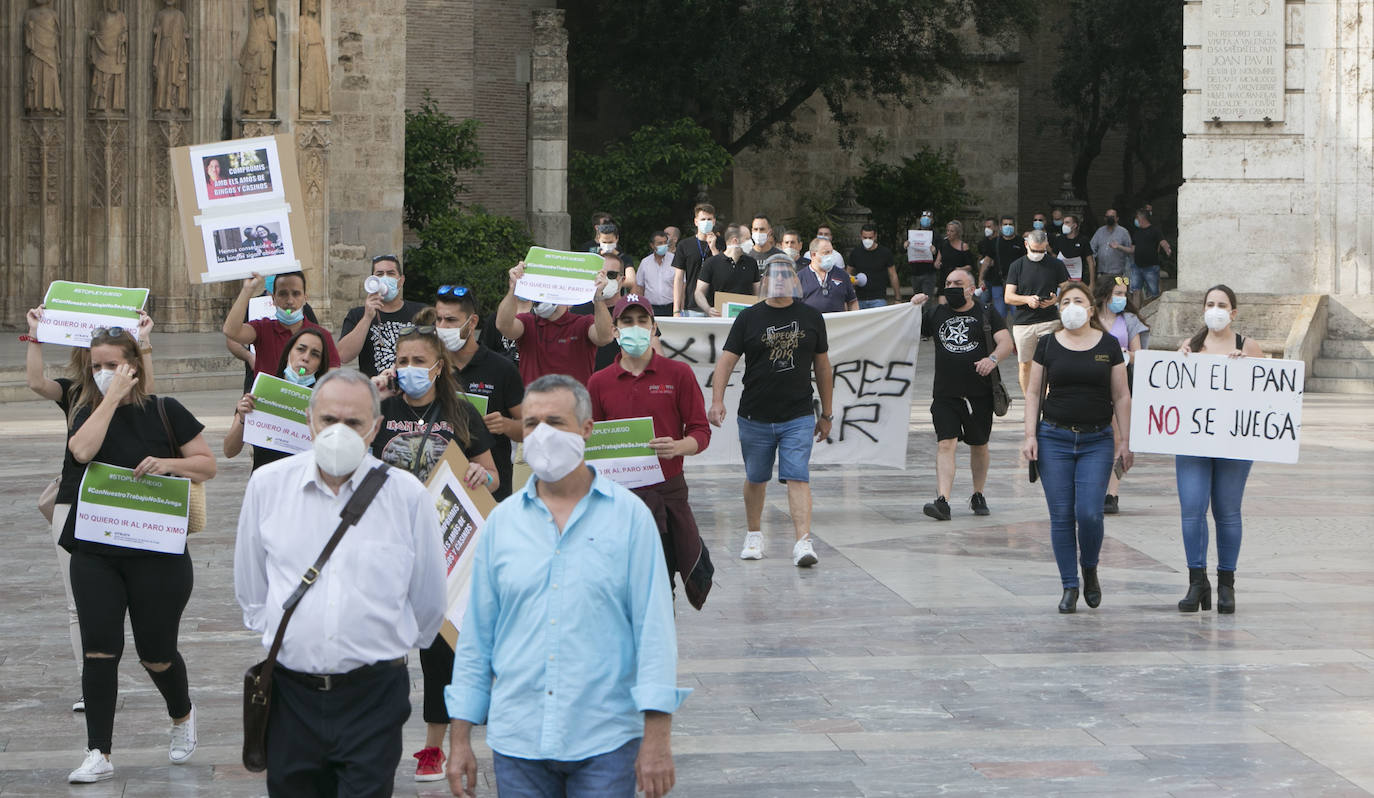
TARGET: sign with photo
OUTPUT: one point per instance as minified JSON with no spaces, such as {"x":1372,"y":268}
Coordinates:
{"x":238,"y":245}
{"x":462,"y":514}
{"x":236,"y":172}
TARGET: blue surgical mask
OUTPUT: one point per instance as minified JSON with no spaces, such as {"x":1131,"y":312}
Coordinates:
{"x":414,"y":380}
{"x":634,"y":341}
{"x":1116,"y":304}
{"x":1008,"y":230}
{"x":391,"y":290}
{"x":661,"y":250}
{"x":290,"y":317}
{"x":925,"y":221}
{"x":297,"y":378}
{"x":1038,"y":224}
{"x":1136,"y":222}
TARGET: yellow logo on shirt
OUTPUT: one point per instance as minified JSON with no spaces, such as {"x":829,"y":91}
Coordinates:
{"x":1102,"y":358}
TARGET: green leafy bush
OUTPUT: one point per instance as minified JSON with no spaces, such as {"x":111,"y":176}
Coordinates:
{"x":438,"y":150}
{"x":897,"y":193}
{"x":466,"y":247}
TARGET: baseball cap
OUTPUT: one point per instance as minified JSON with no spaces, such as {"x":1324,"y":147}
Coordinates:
{"x":632,"y":300}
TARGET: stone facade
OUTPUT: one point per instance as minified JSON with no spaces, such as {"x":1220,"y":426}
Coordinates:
{"x":1290,"y":202}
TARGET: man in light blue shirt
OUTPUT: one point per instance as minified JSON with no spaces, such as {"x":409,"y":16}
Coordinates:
{"x":568,"y":651}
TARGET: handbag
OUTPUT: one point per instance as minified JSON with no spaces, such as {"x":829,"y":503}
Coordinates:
{"x":257,"y":680}
{"x":195,"y":504}
{"x":1001,"y":400}
{"x":47,"y":499}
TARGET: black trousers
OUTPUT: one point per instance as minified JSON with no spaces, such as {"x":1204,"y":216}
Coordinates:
{"x":345,"y":742}
{"x":436,"y":663}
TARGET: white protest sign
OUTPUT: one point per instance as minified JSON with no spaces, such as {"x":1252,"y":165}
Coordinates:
{"x":1075,"y":267}
{"x":118,"y":509}
{"x":619,"y":448}
{"x":563,"y":278}
{"x":261,"y":307}
{"x":873,"y":354}
{"x":71,"y":311}
{"x":278,"y":420}
{"x":919,"y":246}
{"x":462,"y":515}
{"x":1244,"y":408}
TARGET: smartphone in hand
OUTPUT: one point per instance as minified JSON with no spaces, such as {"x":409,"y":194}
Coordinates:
{"x":1118,"y":468}
{"x":1034,"y":471}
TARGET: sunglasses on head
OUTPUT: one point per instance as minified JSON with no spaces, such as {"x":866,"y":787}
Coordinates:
{"x":380,"y":258}
{"x":109,"y":333}
{"x":411,"y":329}
{"x":1123,"y":281}
{"x":455,"y":291}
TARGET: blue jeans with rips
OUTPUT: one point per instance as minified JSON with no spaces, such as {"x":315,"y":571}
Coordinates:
{"x":1074,"y":470}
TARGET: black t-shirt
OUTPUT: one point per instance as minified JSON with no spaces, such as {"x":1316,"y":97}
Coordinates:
{"x":778,"y":346}
{"x":1037,"y":279}
{"x":1003,"y":253}
{"x":760,"y":257}
{"x":691,"y":253}
{"x":490,"y":375}
{"x":66,"y":486}
{"x":874,"y":263}
{"x":959,"y":343}
{"x":733,"y":277}
{"x":402,"y":427}
{"x":951,"y":259}
{"x":492,"y":339}
{"x":379,"y":348}
{"x":135,"y":432}
{"x":1080,"y":383}
{"x":263,"y":455}
{"x":1077,"y":247}
{"x":1146,"y":241}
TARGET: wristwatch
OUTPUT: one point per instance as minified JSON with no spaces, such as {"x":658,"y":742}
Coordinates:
{"x":829,"y":417}
{"x":993,"y":358}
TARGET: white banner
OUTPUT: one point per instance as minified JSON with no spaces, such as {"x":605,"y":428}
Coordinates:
{"x":1244,"y":408}
{"x":873,"y":354}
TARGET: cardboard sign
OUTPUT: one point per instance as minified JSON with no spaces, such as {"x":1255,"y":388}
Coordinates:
{"x":1245,"y":408}
{"x":724,"y":298}
{"x":619,"y":448}
{"x":71,"y":311}
{"x":462,"y":515}
{"x":563,"y":278}
{"x":241,"y":209}
{"x":278,"y":420}
{"x":117,"y":509}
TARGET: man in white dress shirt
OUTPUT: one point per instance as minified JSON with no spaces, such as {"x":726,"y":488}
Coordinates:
{"x":341,"y":690}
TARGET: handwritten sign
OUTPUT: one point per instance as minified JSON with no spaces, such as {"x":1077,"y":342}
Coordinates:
{"x":1214,"y":406}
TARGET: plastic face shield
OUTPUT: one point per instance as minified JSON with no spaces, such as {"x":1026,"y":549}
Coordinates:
{"x":779,"y":279}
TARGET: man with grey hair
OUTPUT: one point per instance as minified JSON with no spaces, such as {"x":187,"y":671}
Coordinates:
{"x":1033,"y":285}
{"x":568,"y":651}
{"x":341,"y":688}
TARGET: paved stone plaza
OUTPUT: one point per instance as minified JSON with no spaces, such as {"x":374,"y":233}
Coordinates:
{"x":919,"y":658}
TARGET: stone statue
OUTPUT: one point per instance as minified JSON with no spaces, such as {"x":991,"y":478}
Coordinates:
{"x":314,"y":65}
{"x":171,"y":60}
{"x":109,"y":60}
{"x":256,"y":61}
{"x":42,"y":41}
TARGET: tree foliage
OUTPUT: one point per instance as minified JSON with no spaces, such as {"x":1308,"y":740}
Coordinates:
{"x":438,"y":150}
{"x":897,"y":193}
{"x":646,"y":179}
{"x":1121,"y":69}
{"x":743,"y":69}
{"x":466,"y":246}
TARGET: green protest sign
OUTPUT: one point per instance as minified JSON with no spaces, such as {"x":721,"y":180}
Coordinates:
{"x":620,"y":449}
{"x":278,"y":420}
{"x":71,"y":311}
{"x":478,"y":401}
{"x":563,"y":278}
{"x":118,"y":509}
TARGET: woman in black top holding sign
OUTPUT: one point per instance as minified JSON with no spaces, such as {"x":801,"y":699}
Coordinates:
{"x":302,"y":362}
{"x":125,"y":427}
{"x":418,"y":423}
{"x":1218,"y":481}
{"x":1074,"y":445}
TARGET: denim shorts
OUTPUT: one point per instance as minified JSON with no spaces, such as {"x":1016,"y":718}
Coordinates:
{"x":790,"y":441}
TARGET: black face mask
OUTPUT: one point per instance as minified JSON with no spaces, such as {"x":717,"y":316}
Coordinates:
{"x":1111,"y":221}
{"x":954,"y":296}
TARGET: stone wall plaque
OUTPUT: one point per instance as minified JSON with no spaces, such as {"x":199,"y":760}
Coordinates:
{"x":1242,"y":60}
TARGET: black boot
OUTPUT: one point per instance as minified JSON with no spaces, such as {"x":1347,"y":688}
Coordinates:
{"x":1226,"y":592}
{"x":1092,"y":591}
{"x":1199,"y":591}
{"x":1069,"y":603}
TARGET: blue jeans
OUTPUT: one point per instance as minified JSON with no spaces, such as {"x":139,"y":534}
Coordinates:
{"x":1221,"y":483}
{"x":865,"y":304}
{"x":994,"y":296}
{"x":1146,"y":277}
{"x":1074,"y":470}
{"x":789,"y":441}
{"x":608,"y":775}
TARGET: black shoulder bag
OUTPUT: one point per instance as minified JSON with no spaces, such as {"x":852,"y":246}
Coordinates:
{"x":1001,"y":400}
{"x":257,"y":680}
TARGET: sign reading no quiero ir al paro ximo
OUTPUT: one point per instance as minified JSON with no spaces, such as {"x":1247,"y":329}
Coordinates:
{"x":1244,"y":408}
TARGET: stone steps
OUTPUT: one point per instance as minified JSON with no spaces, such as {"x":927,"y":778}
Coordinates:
{"x":1343,"y":368}
{"x":1347,"y":348}
{"x":194,"y":365}
{"x":1339,"y":385}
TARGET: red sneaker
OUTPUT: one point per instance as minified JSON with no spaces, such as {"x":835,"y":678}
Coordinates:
{"x":431,"y":765}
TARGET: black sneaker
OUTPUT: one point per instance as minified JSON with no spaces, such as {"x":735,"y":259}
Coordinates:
{"x":938,"y":509}
{"x":979,"y":505}
{"x":1110,"y":505}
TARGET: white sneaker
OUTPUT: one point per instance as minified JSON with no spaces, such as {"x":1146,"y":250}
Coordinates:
{"x":753,"y":546}
{"x":95,"y":768}
{"x":80,"y":705}
{"x":803,"y":555}
{"x":183,"y":739}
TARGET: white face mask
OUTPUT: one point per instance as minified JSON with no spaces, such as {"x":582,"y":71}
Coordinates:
{"x":1035,"y":257}
{"x":870,"y":243}
{"x":1068,"y":228}
{"x":1073,"y":316}
{"x":612,"y":288}
{"x":453,"y":337}
{"x":339,"y":450}
{"x":103,"y":378}
{"x":759,"y":239}
{"x":553,"y":453}
{"x":792,"y":252}
{"x":1216,"y":319}
{"x":544,"y":310}
{"x":607,"y":246}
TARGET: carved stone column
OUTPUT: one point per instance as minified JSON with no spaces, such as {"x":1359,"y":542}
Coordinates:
{"x":312,"y":158}
{"x":45,"y":142}
{"x":107,"y":143}
{"x":548,"y":131}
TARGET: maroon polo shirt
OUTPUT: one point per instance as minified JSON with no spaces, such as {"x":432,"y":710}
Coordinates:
{"x":561,"y":346}
{"x":272,"y":338}
{"x":667,"y":391}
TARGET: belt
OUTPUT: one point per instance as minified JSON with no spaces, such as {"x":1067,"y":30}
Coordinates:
{"x":324,"y":682}
{"x":1078,"y":428}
